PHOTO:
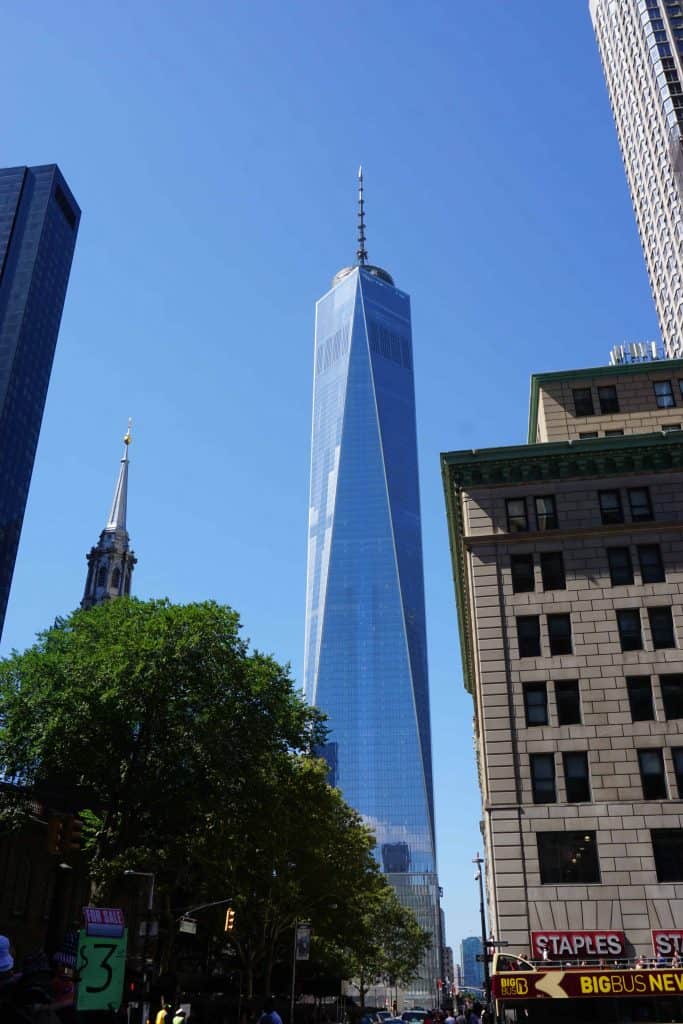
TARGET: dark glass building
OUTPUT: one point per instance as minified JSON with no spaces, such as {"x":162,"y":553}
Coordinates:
{"x":38,"y":226}
{"x":365,"y":655}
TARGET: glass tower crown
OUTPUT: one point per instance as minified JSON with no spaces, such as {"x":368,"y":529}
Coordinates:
{"x":365,"y":649}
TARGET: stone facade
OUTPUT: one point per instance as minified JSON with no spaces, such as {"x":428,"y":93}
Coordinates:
{"x":505,"y":673}
{"x":638,"y":409}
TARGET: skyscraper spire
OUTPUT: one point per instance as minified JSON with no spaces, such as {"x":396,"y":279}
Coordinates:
{"x":111,"y":561}
{"x":361,"y":252}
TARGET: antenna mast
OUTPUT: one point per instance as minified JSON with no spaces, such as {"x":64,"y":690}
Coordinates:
{"x":361,"y":252}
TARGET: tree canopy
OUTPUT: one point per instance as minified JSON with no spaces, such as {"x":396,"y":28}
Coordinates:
{"x":191,"y":756}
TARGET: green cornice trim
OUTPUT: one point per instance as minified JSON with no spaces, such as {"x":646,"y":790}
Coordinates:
{"x":663,"y":366}
{"x":456,"y":535}
{"x":538,"y":463}
{"x":564,"y":460}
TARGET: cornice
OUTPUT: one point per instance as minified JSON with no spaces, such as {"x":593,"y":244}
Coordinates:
{"x":565,"y":460}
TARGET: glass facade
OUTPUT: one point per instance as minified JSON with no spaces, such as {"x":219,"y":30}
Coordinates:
{"x":365,"y":654}
{"x":38,"y":226}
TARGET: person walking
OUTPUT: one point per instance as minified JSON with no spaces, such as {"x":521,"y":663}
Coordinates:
{"x":270,"y":1014}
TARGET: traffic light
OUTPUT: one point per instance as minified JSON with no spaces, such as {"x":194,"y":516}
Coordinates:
{"x":63,"y":833}
{"x":229,"y":919}
{"x":71,"y":838}
{"x":55,"y":833}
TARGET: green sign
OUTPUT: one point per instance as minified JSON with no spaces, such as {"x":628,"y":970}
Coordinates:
{"x":101,"y":966}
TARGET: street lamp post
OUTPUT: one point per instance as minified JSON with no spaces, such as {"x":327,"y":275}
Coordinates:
{"x":479,"y":877}
{"x":150,"y":904}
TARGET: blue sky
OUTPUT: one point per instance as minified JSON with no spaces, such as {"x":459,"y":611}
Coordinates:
{"x":213,"y":149}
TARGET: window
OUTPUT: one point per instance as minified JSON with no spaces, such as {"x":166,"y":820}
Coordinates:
{"x":607,"y":397}
{"x":583,"y":402}
{"x":620,"y":566}
{"x":667,"y":846}
{"x":616,"y":432}
{"x":652,"y":774}
{"x":630,"y":633}
{"x":661,"y":627}
{"x":610,"y":507}
{"x":664,"y":394}
{"x":522,"y":567}
{"x":516,"y":515}
{"x":536,"y":704}
{"x":546,"y":513}
{"x":116,"y":578}
{"x":587,"y":434}
{"x":529,"y":636}
{"x":552,"y":570}
{"x":651,"y":566}
{"x":560,"y":634}
{"x":640,"y":698}
{"x":640,"y":504}
{"x":677,"y":755}
{"x":672,"y":695}
{"x":576,"y":777}
{"x":568,"y":702}
{"x":568,"y":857}
{"x":102,"y":576}
{"x":668,"y":427}
{"x":543,"y":778}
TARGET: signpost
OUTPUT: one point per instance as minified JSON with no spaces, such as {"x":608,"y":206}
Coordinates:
{"x":101,"y":967}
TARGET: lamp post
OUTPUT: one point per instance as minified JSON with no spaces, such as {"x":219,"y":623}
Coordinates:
{"x":150,"y":904}
{"x":479,"y":877}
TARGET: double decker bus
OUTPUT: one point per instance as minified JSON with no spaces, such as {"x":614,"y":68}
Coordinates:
{"x":622,"y":991}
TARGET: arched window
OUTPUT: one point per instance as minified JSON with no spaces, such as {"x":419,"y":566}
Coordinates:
{"x":102,"y":576}
{"x":116,"y":578}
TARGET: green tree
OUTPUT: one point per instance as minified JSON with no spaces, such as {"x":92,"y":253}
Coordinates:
{"x":190,"y":756}
{"x":298,"y":853}
{"x":161,"y":715}
{"x":382,"y":943}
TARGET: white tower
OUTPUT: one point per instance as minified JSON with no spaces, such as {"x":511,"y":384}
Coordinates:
{"x":641,"y":47}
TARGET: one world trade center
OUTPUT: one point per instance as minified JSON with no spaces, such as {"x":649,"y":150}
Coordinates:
{"x":365,"y":650}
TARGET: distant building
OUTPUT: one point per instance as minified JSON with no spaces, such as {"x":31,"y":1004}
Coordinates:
{"x":472,"y":969}
{"x":39,"y":220}
{"x":457,"y":977}
{"x":641,"y":47}
{"x":447,"y":965}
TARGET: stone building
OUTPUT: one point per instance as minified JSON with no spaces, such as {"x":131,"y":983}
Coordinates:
{"x":568,"y":561}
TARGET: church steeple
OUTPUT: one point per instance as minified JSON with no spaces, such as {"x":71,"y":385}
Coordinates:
{"x":111,"y":561}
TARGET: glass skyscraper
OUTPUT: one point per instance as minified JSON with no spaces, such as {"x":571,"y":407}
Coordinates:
{"x":38,"y":226}
{"x":365,"y":649}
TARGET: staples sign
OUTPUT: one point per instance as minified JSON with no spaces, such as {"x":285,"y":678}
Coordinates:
{"x":667,"y":941}
{"x":555,"y":945}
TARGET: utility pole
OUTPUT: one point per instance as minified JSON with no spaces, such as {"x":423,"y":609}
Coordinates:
{"x":479,"y":877}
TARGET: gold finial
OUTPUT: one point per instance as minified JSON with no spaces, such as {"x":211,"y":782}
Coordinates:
{"x":127,"y":439}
